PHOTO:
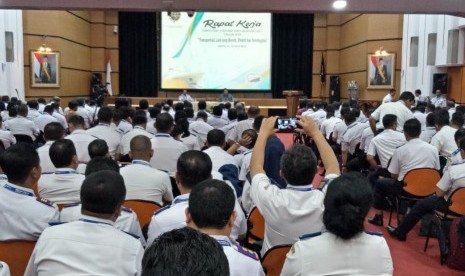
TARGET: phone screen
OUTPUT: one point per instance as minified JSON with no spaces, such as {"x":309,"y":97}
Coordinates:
{"x":285,"y":124}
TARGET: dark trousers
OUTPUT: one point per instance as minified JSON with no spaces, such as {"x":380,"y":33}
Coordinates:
{"x":421,"y":208}
{"x":383,"y":188}
{"x":374,"y":176}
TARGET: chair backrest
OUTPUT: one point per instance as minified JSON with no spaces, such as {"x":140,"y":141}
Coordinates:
{"x":16,"y":254}
{"x":144,"y":209}
{"x":457,"y":202}
{"x":256,"y":224}
{"x":23,"y":138}
{"x":421,"y":182}
{"x":274,"y":258}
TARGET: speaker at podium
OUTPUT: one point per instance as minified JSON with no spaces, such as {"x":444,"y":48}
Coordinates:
{"x":334,"y":89}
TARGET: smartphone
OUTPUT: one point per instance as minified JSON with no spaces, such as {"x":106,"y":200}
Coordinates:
{"x":286,"y":124}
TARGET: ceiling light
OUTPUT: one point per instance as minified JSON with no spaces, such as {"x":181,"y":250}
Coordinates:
{"x":339,"y":4}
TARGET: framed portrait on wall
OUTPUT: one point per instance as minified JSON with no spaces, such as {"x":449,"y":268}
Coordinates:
{"x":45,"y":69}
{"x":381,"y":71}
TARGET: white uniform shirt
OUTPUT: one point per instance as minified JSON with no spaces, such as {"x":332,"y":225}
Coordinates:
{"x":327,"y":126}
{"x":387,"y":98}
{"x":185,"y":97}
{"x":150,"y":127}
{"x":229,"y":127}
{"x":397,"y":108}
{"x":23,"y":126}
{"x":125,"y":144}
{"x":217,"y":121}
{"x":43,"y":120}
{"x":367,"y":137}
{"x":107,"y":133}
{"x":192,"y":142}
{"x":414,"y":154}
{"x":7,"y":138}
{"x":339,"y":130}
{"x":421,"y":117}
{"x":308,"y":112}
{"x":219,"y":157}
{"x":90,"y":246}
{"x":384,"y":145}
{"x":318,"y":116}
{"x":127,"y":221}
{"x":289,"y":213}
{"x":245,"y":166}
{"x":81,"y":140}
{"x":327,"y":254}
{"x":200,"y":129}
{"x":81,"y":111}
{"x":45,"y":161}
{"x":444,"y":141}
{"x":124,"y":127}
{"x":23,"y":216}
{"x":61,"y":187}
{"x":439,"y":102}
{"x":236,"y":133}
{"x":32,"y":114}
{"x":174,"y":216}
{"x":146,"y":183}
{"x":452,"y":179}
{"x":241,"y":261}
{"x":427,"y":134}
{"x":61,"y":119}
{"x":166,"y":151}
{"x":352,"y":137}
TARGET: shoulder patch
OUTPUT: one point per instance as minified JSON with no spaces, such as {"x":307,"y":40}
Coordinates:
{"x":161,"y":210}
{"x":308,"y":236}
{"x":374,"y":233}
{"x":248,"y":252}
{"x":44,"y":201}
{"x":132,"y":235}
{"x":71,"y":205}
{"x":126,"y":209}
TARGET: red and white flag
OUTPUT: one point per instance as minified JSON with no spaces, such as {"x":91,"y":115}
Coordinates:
{"x":108,"y":79}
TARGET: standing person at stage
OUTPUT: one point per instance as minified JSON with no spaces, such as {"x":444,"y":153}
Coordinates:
{"x":226,"y":97}
{"x":390,"y":96}
{"x":439,"y":100}
{"x":185,"y":97}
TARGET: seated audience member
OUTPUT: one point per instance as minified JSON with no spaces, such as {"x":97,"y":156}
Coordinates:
{"x":201,"y":255}
{"x":6,"y":137}
{"x":23,"y":216}
{"x":211,"y":211}
{"x":414,"y":154}
{"x":139,"y":122}
{"x":216,"y":121}
{"x":33,"y":107}
{"x":340,"y":128}
{"x":193,"y":167}
{"x":296,"y":210}
{"x":327,"y":126}
{"x":104,"y":130}
{"x":59,"y":115}
{"x":122,"y":120}
{"x":419,"y":98}
{"x":302,"y":107}
{"x":45,"y":118}
{"x":235,"y":133}
{"x":232,"y":119}
{"x":344,"y":248}
{"x":401,"y":109}
{"x":144,"y":105}
{"x":351,"y":141}
{"x":62,"y":186}
{"x":21,"y":125}
{"x":443,"y":140}
{"x":310,"y":109}
{"x":439,"y":100}
{"x":52,"y":133}
{"x":456,"y":157}
{"x":430,"y":130}
{"x":185,"y":97}
{"x":453,"y":179}
{"x":190,"y":114}
{"x":456,"y":120}
{"x":142,"y":181}
{"x":96,"y":148}
{"x":191,"y":141}
{"x":80,"y":137}
{"x":367,"y":133}
{"x":200,"y":127}
{"x":153,"y":111}
{"x":81,"y":111}
{"x":383,"y":145}
{"x":320,"y":114}
{"x":420,"y":115}
{"x":73,"y":247}
{"x":390,"y":97}
{"x":166,"y":150}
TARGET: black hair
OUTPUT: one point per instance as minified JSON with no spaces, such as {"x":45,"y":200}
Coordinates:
{"x":232,"y":114}
{"x":253,"y":134}
{"x":164,"y":122}
{"x":98,"y":147}
{"x":143,"y":104}
{"x":462,"y":144}
{"x":18,"y":160}
{"x":412,"y":128}
{"x":180,"y":115}
{"x":48,"y":109}
{"x":154,"y":111}
{"x":417,"y":91}
{"x":441,"y":117}
{"x":179,"y":106}
{"x":169,"y":102}
{"x":183,"y":252}
{"x":217,"y":110}
{"x":241,"y":116}
{"x":457,"y":119}
{"x":350,"y":117}
{"x":202,"y":105}
{"x":101,"y":163}
{"x":61,"y":153}
{"x":460,"y":108}
{"x":193,"y":167}
{"x":33,"y":104}
{"x":347,"y":202}
{"x":407,"y":95}
{"x":189,"y":112}
{"x":227,"y":105}
{"x":211,"y":204}
{"x":105,"y":114}
{"x":76,"y":120}
{"x":53,"y":131}
{"x":257,"y":122}
{"x":22,"y":110}
{"x":203,"y":115}
{"x":80,"y":101}
{"x":459,"y":134}
{"x":12,"y":110}
{"x":103,"y":192}
{"x":389,"y":120}
{"x":253,"y":111}
{"x":139,"y":120}
{"x":344,"y":111}
{"x":184,"y":127}
{"x":430,"y":118}
{"x":216,"y":137}
{"x":298,"y":165}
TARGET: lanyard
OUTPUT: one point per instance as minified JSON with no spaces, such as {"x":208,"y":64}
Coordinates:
{"x":179,"y":200}
{"x":223,"y":243}
{"x":162,"y":135}
{"x":18,"y":191}
{"x":299,"y":189}
{"x":140,"y":162}
{"x":66,"y":172}
{"x":93,"y":221}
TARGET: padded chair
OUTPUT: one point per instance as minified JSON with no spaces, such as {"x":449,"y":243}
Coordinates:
{"x":16,"y":254}
{"x":418,"y":184}
{"x":143,"y":208}
{"x":274,"y":258}
{"x":455,"y":209}
{"x":255,"y":226}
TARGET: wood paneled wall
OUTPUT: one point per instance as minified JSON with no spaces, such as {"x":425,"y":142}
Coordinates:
{"x":345,"y":41}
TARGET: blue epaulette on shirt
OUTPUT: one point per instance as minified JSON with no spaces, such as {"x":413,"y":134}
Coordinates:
{"x":71,"y":205}
{"x":126,"y":209}
{"x":456,"y":151}
{"x":44,"y":201}
{"x":161,"y":210}
{"x":374,"y":233}
{"x":248,"y":252}
{"x":56,"y":223}
{"x":308,"y":236}
{"x":132,"y":235}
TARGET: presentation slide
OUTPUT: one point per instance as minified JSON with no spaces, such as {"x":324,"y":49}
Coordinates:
{"x":212,"y":50}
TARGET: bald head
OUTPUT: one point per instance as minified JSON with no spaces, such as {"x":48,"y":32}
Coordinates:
{"x":141,"y":148}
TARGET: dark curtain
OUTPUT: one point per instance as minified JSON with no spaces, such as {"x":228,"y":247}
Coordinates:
{"x":292,"y":53}
{"x":138,"y":54}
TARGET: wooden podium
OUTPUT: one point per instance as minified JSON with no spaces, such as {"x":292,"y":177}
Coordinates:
{"x":292,"y":101}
